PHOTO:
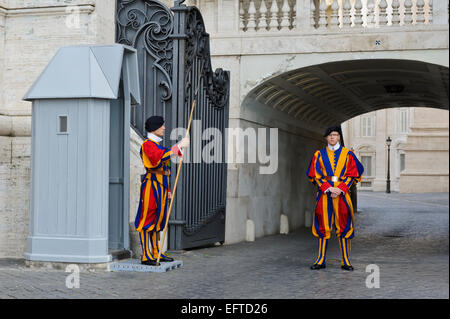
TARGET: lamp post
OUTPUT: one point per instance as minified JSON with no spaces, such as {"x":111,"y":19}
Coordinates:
{"x":388,"y":181}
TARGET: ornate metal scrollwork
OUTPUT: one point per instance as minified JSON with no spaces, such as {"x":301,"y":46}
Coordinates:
{"x":154,"y":20}
{"x":174,"y":61}
{"x":197,"y":47}
{"x":213,"y":89}
{"x":152,"y":23}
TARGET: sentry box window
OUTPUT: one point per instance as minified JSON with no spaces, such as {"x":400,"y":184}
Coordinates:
{"x":62,"y":124}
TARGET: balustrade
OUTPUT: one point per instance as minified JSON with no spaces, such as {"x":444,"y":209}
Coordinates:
{"x":282,"y":15}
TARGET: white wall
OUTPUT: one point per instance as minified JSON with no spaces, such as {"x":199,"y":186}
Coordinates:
{"x":263,"y":198}
{"x":33,"y":32}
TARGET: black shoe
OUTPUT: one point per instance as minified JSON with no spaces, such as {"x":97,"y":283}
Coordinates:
{"x":165,"y":259}
{"x":149,"y":262}
{"x":317,"y":266}
{"x":345,"y":267}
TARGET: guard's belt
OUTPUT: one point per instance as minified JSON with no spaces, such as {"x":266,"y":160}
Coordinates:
{"x":151,"y":171}
{"x":332,"y":178}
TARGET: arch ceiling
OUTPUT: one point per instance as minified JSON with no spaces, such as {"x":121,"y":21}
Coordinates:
{"x":334,"y":92}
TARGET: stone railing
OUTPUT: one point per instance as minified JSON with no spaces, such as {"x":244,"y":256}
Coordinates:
{"x":288,"y":15}
{"x":267,"y":15}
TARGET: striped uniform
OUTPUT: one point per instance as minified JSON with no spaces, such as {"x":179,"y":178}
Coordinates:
{"x":152,"y":212}
{"x":343,"y":164}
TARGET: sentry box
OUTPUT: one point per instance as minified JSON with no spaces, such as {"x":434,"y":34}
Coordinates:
{"x":79,"y":207}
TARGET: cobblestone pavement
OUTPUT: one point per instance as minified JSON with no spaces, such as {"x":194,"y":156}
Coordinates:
{"x":405,"y":235}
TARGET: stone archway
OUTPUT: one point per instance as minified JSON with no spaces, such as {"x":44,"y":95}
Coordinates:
{"x":302,"y":102}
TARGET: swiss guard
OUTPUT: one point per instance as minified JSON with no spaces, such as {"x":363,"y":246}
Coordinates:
{"x":334,"y":169}
{"x":155,"y":189}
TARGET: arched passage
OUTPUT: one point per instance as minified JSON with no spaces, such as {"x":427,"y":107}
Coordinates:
{"x":302,"y":103}
{"x":337,"y":91}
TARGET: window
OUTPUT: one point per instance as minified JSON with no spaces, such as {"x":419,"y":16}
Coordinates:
{"x":402,"y":162}
{"x":62,"y":124}
{"x":366,"y":161}
{"x":366,"y":126}
{"x":366,"y":184}
{"x":404,"y":121}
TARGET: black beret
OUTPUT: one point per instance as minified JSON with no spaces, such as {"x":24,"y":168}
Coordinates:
{"x":153,"y":123}
{"x":333,"y":129}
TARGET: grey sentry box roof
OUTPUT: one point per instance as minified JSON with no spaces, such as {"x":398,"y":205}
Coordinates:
{"x":86,"y":72}
{"x":79,"y":207}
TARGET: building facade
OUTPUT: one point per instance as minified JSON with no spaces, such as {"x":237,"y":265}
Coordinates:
{"x":274,"y":50}
{"x":418,"y":151}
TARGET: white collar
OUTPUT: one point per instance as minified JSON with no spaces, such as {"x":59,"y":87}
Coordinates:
{"x":153,"y":137}
{"x":335,"y":147}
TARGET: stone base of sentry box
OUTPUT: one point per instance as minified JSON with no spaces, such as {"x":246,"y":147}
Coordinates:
{"x":135,"y":265}
{"x":66,"y":266}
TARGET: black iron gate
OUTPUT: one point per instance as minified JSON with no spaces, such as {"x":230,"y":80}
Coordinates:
{"x":174,"y":62}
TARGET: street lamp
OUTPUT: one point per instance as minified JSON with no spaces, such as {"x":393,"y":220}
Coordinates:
{"x":388,"y":181}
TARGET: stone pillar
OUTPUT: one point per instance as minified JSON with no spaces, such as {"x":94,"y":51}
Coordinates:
{"x":2,"y":53}
{"x":303,"y":15}
{"x":440,"y":12}
{"x":228,"y":16}
{"x":426,"y":153}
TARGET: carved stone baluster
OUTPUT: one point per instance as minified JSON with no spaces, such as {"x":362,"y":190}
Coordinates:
{"x":334,"y":19}
{"x":382,"y":18}
{"x":401,"y":12}
{"x":285,"y":10}
{"x":430,"y":12}
{"x":273,"y":25}
{"x":371,"y":13}
{"x":346,"y":13}
{"x":414,"y":12}
{"x":312,"y":14}
{"x":427,"y":11}
{"x":420,"y":16}
{"x":262,"y":26}
{"x":389,"y":12}
{"x":251,"y":24}
{"x":395,"y":12}
{"x":364,"y":14}
{"x":376,"y":13}
{"x":358,"y":13}
{"x":323,"y":14}
{"x":241,"y":18}
{"x":315,"y":13}
{"x":408,"y":13}
{"x":293,"y":16}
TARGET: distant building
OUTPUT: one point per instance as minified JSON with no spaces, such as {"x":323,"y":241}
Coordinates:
{"x":419,"y":151}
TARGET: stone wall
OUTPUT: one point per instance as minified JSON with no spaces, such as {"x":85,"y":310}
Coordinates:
{"x":136,"y":169}
{"x":256,"y":201}
{"x":30,"y":34}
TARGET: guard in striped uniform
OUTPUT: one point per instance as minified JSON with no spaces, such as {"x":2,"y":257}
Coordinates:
{"x":155,"y":190}
{"x":333,"y":170}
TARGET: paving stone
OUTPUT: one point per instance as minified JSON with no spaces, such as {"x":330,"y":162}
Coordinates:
{"x":405,"y":235}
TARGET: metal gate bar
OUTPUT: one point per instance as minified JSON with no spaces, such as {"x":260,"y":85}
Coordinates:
{"x":174,"y":60}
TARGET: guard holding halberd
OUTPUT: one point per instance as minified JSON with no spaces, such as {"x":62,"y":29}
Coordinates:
{"x":155,"y":190}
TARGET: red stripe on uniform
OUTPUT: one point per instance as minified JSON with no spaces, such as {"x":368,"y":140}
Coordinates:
{"x":344,"y":214}
{"x":319,"y":212}
{"x":352,"y":170}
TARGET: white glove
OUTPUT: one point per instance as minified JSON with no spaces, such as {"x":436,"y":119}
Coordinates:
{"x":184,"y":143}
